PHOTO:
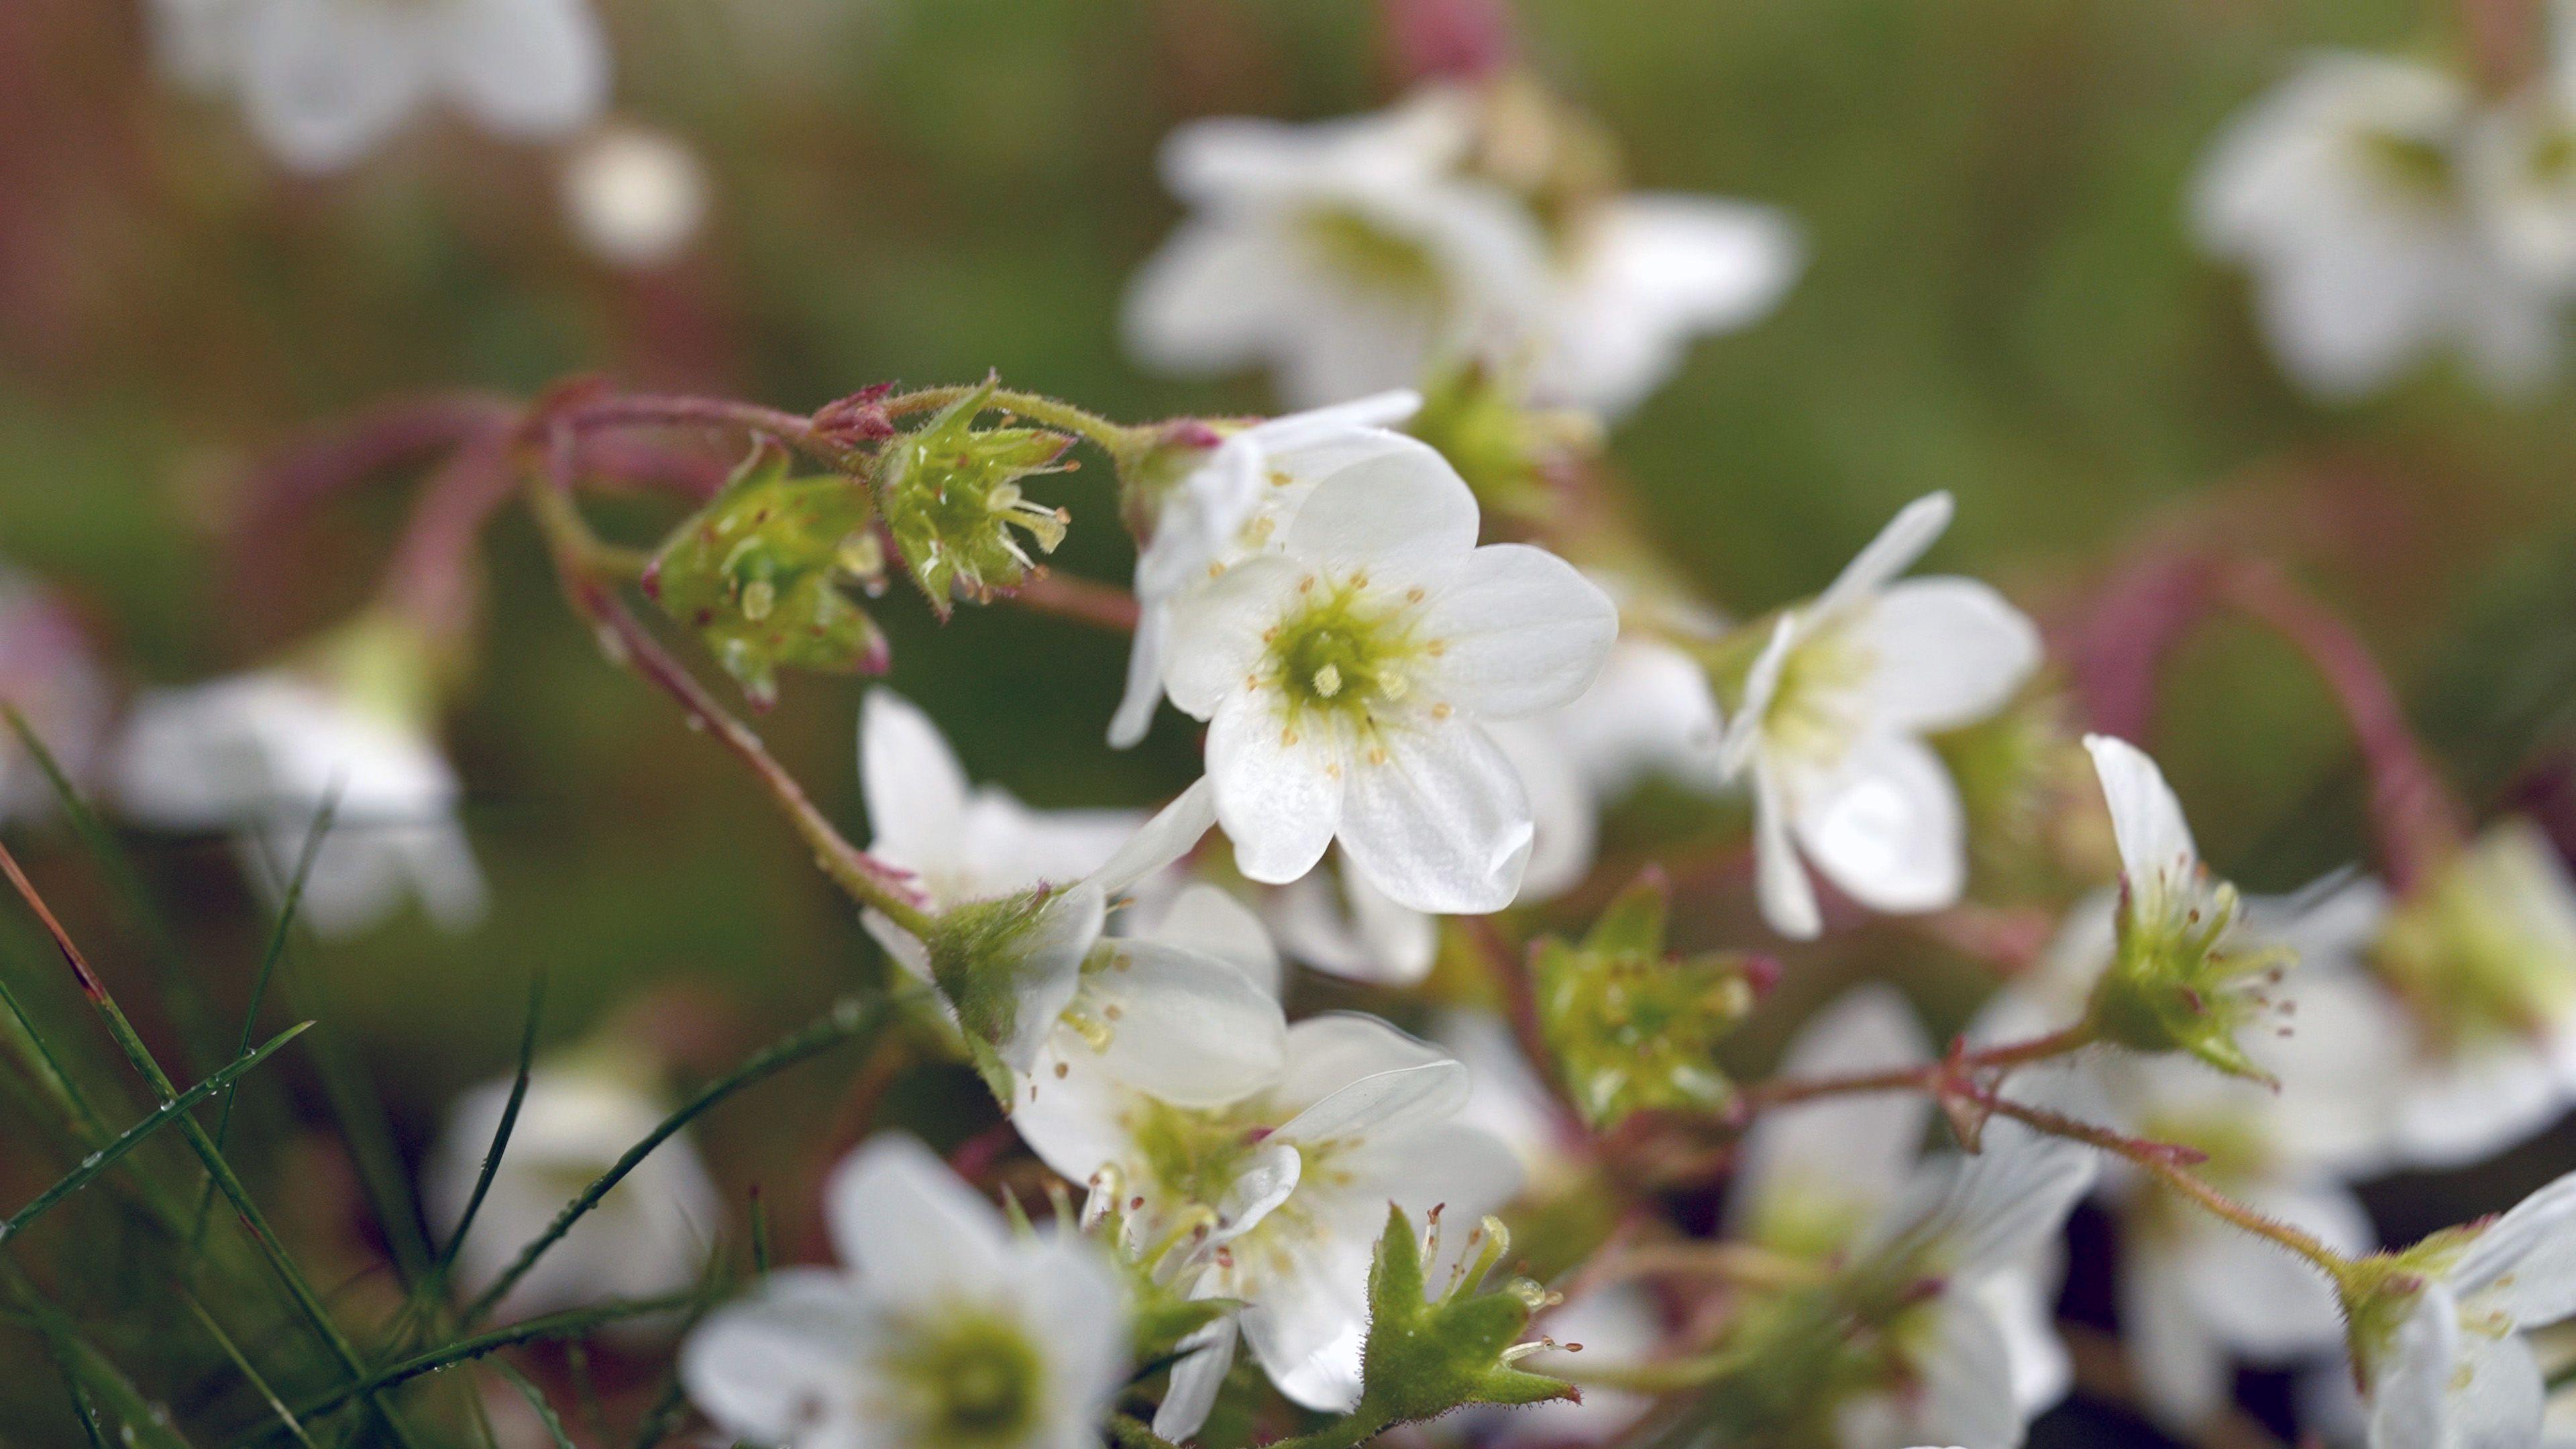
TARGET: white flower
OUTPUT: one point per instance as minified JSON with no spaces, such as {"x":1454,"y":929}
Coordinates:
{"x":1333,"y":920}
{"x":943,"y":1329}
{"x":1966,"y":1242}
{"x":634,"y":197}
{"x":1230,"y":505}
{"x":651,"y":1235}
{"x":1651,"y":714}
{"x":1161,"y":1011}
{"x":2454,"y":1371}
{"x":2195,"y":1291}
{"x":2382,"y":221}
{"x":2476,"y":969}
{"x":325,"y":81}
{"x":1353,"y":255}
{"x":257,"y":754}
{"x":1276,"y":1199}
{"x":1344,"y":678}
{"x":48,"y":675}
{"x":1832,"y":719}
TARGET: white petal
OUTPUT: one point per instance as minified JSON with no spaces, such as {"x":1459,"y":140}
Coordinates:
{"x":1885,"y":825}
{"x":1073,"y":1305}
{"x":1217,"y":629}
{"x":1209,"y":920}
{"x":1967,"y":1386}
{"x":1522,"y":630}
{"x":1334,"y":1049}
{"x":1403,"y":512}
{"x":798,"y":1343}
{"x":1183,"y":1027}
{"x":1047,"y":967}
{"x":1898,"y":545}
{"x":1435,"y":817}
{"x":323,"y":83}
{"x":913,"y":786}
{"x":1309,"y":1323}
{"x":1327,"y":426}
{"x":1564,"y":818}
{"x":1279,"y":792}
{"x":1146,"y":657}
{"x":1207,"y":1355}
{"x":1853,"y":1152}
{"x":1989,"y":1211}
{"x":1650,"y":712}
{"x":2496,"y":1394}
{"x":1384,"y":1102}
{"x":1333,"y":920}
{"x":1788,"y":897}
{"x":2183,"y":1373}
{"x":1211,"y":297}
{"x":2410,"y":1386}
{"x":526,"y":67}
{"x":1173,"y":832}
{"x":908,"y":1227}
{"x":1658,"y":269}
{"x":1743,"y":739}
{"x":2525,"y":1261}
{"x":1945,"y":652}
{"x":2156,"y":851}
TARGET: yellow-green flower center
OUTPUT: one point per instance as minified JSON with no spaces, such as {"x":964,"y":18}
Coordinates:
{"x":1344,"y":652}
{"x":1374,"y":257}
{"x":2485,"y":948}
{"x":2414,"y":165}
{"x":1813,"y":715}
{"x":970,"y":1379}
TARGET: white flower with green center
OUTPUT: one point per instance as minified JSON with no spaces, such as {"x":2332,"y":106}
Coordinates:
{"x":1344,"y":677}
{"x":1355,"y":255}
{"x":326,"y":81}
{"x":257,"y":755}
{"x":1022,"y":898}
{"x":2437,"y":1330}
{"x":1942,"y":1263}
{"x":1276,"y":1199}
{"x":1230,"y":504}
{"x":2383,"y":221}
{"x":942,"y":1331}
{"x":651,"y":1235}
{"x":1831,"y":720}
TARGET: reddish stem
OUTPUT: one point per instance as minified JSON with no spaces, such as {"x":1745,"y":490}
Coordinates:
{"x":1431,"y":40}
{"x":1103,"y":606}
{"x":1923,"y":1077}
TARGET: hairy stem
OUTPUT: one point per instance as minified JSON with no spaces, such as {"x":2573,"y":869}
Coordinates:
{"x":1926,"y":1076}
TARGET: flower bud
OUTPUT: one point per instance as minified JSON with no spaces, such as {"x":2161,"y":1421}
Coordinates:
{"x":2184,"y":980}
{"x":1632,"y":1029}
{"x":952,"y":501}
{"x":759,"y":574}
{"x":1430,"y":1353}
{"x":1509,"y":452}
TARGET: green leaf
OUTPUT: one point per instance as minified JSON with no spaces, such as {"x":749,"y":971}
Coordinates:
{"x":761,"y":574}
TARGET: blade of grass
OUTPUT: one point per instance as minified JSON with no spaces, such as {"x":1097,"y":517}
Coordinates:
{"x":852,"y":1017}
{"x":500,"y":1134}
{"x":191,"y":1010}
{"x":536,"y":1398}
{"x":569,"y":1324}
{"x":95,"y":1380}
{"x":262,"y":1234}
{"x":276,"y":1405}
{"x":170,"y":1111}
{"x":81,"y":1409}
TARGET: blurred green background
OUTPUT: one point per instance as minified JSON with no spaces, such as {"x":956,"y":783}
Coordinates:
{"x":2002,"y":301}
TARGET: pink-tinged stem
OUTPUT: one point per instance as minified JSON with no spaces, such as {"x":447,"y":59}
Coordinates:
{"x":2412,"y":810}
{"x":1103,"y":606}
{"x":2117,"y":653}
{"x":1449,"y":39}
{"x":431,"y":578}
{"x":644,"y":410}
{"x":380,"y":438}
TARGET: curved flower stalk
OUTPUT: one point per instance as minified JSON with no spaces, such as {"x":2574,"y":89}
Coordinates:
{"x":1925,"y":1316}
{"x":2196,"y":1292}
{"x":651,"y":1235}
{"x":1275,"y":1200}
{"x":258,"y":754}
{"x":1017,"y":943}
{"x":943,"y":1327}
{"x":323,"y":82}
{"x":2386,"y":215}
{"x":1346,"y":675}
{"x":1354,"y":255}
{"x":47,"y":674}
{"x":1830,"y":719}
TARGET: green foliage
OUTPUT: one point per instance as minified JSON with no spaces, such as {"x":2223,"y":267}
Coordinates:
{"x":1630,"y":1027}
{"x":951,"y":495}
{"x":761,"y":574}
{"x":1473,"y":413}
{"x":1426,"y":1354}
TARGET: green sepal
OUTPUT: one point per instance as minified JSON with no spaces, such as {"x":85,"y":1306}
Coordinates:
{"x":760,"y":573}
{"x":951,"y":497}
{"x":1506,"y":450}
{"x":2182,"y":985}
{"x":1424,"y":1356}
{"x":1630,"y":1028}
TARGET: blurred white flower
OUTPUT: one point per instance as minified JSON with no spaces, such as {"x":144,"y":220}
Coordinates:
{"x":1832,"y":719}
{"x":942,"y":1329}
{"x":1345,"y":678}
{"x":1333,"y":920}
{"x":1843,"y":1179}
{"x":1230,"y":504}
{"x":1179,"y":1011}
{"x":649,"y":1236}
{"x":257,"y":754}
{"x":2385,"y":217}
{"x":325,"y":81}
{"x":634,"y":197}
{"x":1651,"y":715}
{"x":47,"y":674}
{"x":1353,"y":255}
{"x":1291,"y":1185}
{"x":2453,"y":1370}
